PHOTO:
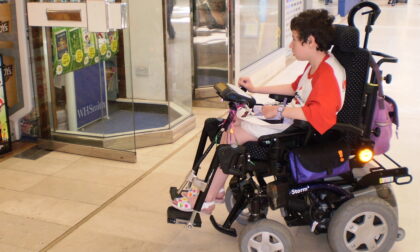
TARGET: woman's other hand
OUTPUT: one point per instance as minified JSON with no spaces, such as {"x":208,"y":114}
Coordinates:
{"x":246,"y":83}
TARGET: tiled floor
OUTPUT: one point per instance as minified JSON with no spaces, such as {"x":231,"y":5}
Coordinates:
{"x":64,"y":202}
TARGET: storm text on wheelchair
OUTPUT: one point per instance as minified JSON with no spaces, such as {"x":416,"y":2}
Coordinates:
{"x":299,"y":190}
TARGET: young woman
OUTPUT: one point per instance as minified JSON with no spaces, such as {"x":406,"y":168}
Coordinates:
{"x":318,"y":96}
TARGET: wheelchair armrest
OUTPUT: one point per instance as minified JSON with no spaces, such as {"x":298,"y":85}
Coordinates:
{"x":298,"y":128}
{"x":279,"y":136}
{"x":301,"y":128}
{"x":301,"y":125}
{"x":280,"y":98}
{"x":347,"y":128}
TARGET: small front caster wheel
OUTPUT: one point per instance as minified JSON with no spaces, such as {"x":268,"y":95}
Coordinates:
{"x":400,"y":234}
{"x":266,"y":235}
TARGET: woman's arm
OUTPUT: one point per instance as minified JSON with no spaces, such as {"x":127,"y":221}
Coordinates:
{"x":271,"y":111}
{"x":285,"y":89}
{"x":277,"y":89}
{"x":294,"y":113}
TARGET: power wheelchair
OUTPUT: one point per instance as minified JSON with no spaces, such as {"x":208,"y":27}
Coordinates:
{"x":359,"y":213}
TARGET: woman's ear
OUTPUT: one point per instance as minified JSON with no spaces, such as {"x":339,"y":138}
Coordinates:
{"x":311,"y":41}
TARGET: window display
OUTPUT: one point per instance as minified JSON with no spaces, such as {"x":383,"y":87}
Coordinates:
{"x":5,"y":17}
{"x":76,"y":48}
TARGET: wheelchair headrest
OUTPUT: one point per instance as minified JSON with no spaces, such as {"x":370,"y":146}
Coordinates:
{"x":346,"y":38}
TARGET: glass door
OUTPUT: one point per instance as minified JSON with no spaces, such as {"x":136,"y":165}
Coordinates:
{"x":211,"y":45}
{"x":82,"y":86}
{"x":178,"y":60}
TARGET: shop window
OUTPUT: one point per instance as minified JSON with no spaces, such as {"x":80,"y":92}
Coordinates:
{"x":260,"y":24}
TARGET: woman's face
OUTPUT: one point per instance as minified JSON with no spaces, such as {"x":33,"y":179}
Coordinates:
{"x":299,"y":49}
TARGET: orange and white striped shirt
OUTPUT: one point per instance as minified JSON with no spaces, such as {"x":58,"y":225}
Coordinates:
{"x":321,"y":95}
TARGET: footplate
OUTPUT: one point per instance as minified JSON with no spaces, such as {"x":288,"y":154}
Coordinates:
{"x":379,"y":176}
{"x":176,"y":216}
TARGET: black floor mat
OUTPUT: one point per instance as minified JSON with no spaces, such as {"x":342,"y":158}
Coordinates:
{"x":33,"y":153}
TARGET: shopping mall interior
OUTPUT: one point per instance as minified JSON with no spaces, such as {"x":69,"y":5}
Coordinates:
{"x":80,"y":176}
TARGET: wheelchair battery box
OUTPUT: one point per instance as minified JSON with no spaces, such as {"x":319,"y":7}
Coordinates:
{"x":278,"y":194}
{"x":319,"y":161}
{"x":233,"y":159}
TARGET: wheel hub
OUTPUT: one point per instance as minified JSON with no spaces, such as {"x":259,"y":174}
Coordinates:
{"x":265,"y":242}
{"x":365,"y":231}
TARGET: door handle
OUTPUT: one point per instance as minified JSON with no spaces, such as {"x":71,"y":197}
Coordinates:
{"x":64,"y":15}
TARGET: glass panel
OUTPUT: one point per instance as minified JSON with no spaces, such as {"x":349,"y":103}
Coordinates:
{"x":210,"y":42}
{"x":147,"y":69}
{"x":260,"y":29}
{"x":81,"y":84}
{"x":179,"y":59}
{"x":101,"y":89}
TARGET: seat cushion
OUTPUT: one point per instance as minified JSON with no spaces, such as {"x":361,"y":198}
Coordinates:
{"x":257,"y":151}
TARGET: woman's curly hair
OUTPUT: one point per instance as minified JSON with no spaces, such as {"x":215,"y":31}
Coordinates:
{"x":317,"y":23}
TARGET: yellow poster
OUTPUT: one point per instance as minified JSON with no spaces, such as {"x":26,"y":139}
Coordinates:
{"x":9,"y":71}
{"x":5,"y":143}
{"x":5,"y":18}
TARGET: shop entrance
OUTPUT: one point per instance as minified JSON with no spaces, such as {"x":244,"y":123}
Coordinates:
{"x":79,"y":62}
{"x":111,"y":76}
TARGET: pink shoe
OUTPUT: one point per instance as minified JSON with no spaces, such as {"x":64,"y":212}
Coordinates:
{"x":184,"y":205}
{"x":192,"y":194}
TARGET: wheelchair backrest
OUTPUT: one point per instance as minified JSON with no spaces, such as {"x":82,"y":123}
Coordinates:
{"x":355,"y":61}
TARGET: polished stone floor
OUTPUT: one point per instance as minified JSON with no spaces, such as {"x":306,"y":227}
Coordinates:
{"x":64,"y":202}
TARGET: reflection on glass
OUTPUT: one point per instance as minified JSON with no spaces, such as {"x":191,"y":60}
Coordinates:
{"x":179,"y":60}
{"x":210,"y":42}
{"x":170,"y":8}
{"x":260,"y":29}
{"x":213,"y":14}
